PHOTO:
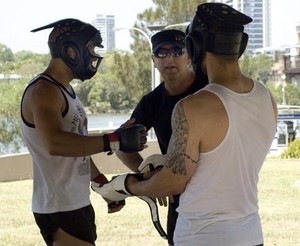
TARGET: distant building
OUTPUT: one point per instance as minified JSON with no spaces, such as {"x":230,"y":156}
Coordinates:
{"x":292,"y":61}
{"x":106,"y":24}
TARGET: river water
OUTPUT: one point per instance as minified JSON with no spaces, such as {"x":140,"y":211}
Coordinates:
{"x":110,"y":122}
{"x":106,"y":120}
{"x":103,"y":121}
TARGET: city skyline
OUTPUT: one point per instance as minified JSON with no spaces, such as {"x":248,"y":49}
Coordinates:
{"x":15,"y":31}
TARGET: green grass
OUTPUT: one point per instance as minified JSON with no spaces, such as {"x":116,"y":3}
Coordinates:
{"x":132,"y":226}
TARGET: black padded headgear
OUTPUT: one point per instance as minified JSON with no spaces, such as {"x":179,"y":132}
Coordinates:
{"x":82,"y":37}
{"x":216,"y":28}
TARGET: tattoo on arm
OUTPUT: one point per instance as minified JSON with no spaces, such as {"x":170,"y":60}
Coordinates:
{"x":196,"y":162}
{"x":178,"y":142}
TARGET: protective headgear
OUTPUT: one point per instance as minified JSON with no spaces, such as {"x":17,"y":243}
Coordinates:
{"x":216,"y":28}
{"x":83,"y":38}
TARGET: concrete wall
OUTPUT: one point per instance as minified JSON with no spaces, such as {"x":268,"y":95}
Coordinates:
{"x":19,"y":166}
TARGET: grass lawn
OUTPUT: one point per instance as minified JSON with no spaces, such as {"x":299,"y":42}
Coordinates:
{"x":279,"y":209}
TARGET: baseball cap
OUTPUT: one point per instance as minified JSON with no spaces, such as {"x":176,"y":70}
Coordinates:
{"x":170,"y":36}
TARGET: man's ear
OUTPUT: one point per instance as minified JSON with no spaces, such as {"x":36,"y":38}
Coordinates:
{"x":152,"y":57}
{"x":71,"y":53}
{"x":189,"y":61}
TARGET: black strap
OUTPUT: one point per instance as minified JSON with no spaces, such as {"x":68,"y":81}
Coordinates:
{"x":154,"y":215}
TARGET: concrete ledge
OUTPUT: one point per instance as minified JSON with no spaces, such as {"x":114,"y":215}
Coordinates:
{"x":19,"y":166}
{"x":15,"y":167}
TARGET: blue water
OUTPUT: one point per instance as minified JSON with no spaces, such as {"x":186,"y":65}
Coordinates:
{"x":106,"y":120}
{"x":111,"y":121}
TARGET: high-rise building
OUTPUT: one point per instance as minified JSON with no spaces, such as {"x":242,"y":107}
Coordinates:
{"x":106,"y":24}
{"x":298,"y":32}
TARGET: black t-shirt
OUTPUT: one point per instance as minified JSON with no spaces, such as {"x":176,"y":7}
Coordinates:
{"x":155,"y":110}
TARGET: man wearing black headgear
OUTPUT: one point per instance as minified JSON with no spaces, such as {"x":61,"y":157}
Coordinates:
{"x":54,"y":127}
{"x":155,"y":109}
{"x":221,"y":136}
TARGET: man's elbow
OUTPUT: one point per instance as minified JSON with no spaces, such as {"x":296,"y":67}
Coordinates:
{"x":177,"y":189}
{"x":53,"y":148}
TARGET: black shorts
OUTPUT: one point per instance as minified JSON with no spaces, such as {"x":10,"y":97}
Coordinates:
{"x":172,"y":218}
{"x":79,"y":223}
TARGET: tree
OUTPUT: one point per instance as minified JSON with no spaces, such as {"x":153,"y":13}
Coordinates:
{"x":116,"y":83}
{"x":166,"y":12}
{"x":29,"y":64}
{"x":10,"y":132}
{"x":6,"y":55}
{"x":6,"y":58}
{"x":125,"y":68}
{"x":257,"y":67}
{"x":291,"y":92}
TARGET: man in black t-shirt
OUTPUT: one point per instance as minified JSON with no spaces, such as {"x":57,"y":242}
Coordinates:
{"x":155,"y":109}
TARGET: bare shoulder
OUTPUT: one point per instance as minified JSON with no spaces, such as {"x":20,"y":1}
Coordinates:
{"x":202,"y":102}
{"x":42,"y":90}
{"x":206,"y":118}
{"x":42,"y":97}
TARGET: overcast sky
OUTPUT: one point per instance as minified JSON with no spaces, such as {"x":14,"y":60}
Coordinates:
{"x":18,"y":17}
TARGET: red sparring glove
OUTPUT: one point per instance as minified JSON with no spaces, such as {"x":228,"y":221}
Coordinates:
{"x":113,"y":206}
{"x":127,"y":139}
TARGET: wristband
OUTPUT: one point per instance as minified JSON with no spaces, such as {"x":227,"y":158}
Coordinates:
{"x":111,"y":142}
{"x":100,"y":179}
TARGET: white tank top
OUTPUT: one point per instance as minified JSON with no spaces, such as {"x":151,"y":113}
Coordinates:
{"x":59,"y":183}
{"x":219,"y":204}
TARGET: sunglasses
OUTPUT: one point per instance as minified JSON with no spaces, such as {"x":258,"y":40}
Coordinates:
{"x":175,"y":52}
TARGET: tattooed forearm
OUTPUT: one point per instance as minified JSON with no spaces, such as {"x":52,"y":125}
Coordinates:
{"x":178,"y":141}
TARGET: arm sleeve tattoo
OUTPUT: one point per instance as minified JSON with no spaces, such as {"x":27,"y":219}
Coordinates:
{"x":178,"y":141}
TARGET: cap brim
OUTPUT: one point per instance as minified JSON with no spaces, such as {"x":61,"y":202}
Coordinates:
{"x":181,"y":45}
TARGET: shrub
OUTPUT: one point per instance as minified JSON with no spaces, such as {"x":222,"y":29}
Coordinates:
{"x":292,"y":151}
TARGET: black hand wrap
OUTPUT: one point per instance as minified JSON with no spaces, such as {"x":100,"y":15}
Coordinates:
{"x":132,"y":138}
{"x":127,"y":139}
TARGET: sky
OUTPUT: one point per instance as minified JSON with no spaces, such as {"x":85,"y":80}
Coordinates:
{"x":18,"y":17}
{"x":285,"y":17}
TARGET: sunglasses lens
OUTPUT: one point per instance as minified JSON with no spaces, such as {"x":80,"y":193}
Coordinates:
{"x":176,"y":52}
{"x":162,"y":53}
